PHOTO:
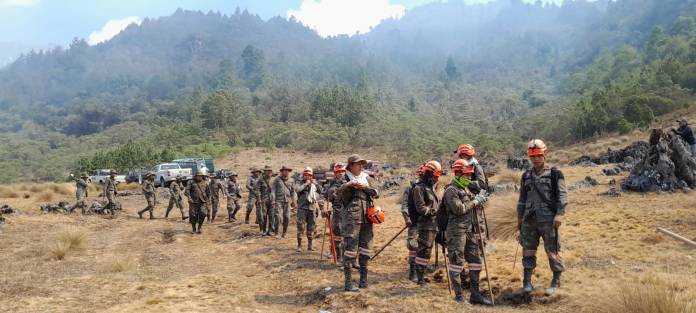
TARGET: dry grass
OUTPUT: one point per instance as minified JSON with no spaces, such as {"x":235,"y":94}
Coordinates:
{"x":8,"y":192}
{"x":506,"y":176}
{"x":46,"y":196}
{"x":58,"y":250}
{"x":121,"y":265}
{"x":501,"y":212}
{"x":73,"y":239}
{"x":131,"y":186}
{"x":649,"y":295}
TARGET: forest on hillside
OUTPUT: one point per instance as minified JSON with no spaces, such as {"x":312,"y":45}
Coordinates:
{"x":493,"y":74}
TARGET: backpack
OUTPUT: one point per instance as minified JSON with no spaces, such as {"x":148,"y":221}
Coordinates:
{"x":412,"y":213}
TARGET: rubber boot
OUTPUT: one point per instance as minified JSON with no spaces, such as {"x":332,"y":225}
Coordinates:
{"x":299,"y":245}
{"x":309,"y":244}
{"x":457,"y":286}
{"x":412,"y":272}
{"x":420,"y":274}
{"x":527,"y":282}
{"x":476,"y":296}
{"x":348,"y":285}
{"x":363,"y":277}
{"x":555,"y":284}
{"x":193,"y":228}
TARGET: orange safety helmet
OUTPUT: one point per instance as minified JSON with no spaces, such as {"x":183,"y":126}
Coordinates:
{"x":536,"y":147}
{"x":463,"y":166}
{"x":339,"y":167}
{"x":419,"y":171}
{"x":466,"y":149}
{"x":375,"y":215}
{"x":434,"y":167}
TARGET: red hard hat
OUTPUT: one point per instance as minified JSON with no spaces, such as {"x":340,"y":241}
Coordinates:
{"x":434,"y":167}
{"x":463,"y":166}
{"x":466,"y":149}
{"x":375,"y":215}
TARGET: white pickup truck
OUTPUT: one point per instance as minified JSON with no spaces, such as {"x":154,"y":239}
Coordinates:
{"x":165,"y":173}
{"x":99,"y":176}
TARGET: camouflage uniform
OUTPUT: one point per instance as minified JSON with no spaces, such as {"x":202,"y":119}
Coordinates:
{"x":253,"y":198}
{"x":412,"y":238}
{"x":463,"y":239}
{"x":337,"y":215}
{"x":216,"y":187}
{"x":306,"y":212}
{"x":537,"y":219}
{"x":265,"y":198}
{"x":480,"y":182}
{"x":426,"y":204}
{"x":198,"y":195}
{"x":284,"y":194}
{"x":357,"y":229}
{"x":149,"y":193}
{"x":110,"y":192}
{"x":80,"y":195}
{"x":234,"y":194}
{"x":175,"y":199}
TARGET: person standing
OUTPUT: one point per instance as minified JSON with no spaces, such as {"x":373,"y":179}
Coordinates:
{"x":253,"y":200}
{"x":110,"y":192}
{"x":266,"y":201}
{"x":480,"y":181}
{"x":284,"y":195}
{"x":149,"y":193}
{"x":685,"y":132}
{"x":540,"y":210}
{"x":198,"y":195}
{"x":234,"y":194}
{"x":308,"y":197}
{"x":357,"y":196}
{"x":409,"y":214}
{"x":216,"y":187}
{"x":426,"y":204}
{"x":175,"y":198}
{"x":81,"y":193}
{"x":337,"y":212}
{"x":463,"y":240}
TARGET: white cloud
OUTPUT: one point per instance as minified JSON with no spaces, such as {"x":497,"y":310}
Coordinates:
{"x":111,"y":29}
{"x":335,"y":17}
{"x":17,"y":3}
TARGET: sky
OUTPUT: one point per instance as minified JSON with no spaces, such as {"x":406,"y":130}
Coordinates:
{"x":49,"y":22}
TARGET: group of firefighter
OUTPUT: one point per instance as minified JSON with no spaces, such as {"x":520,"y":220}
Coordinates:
{"x":455,"y":220}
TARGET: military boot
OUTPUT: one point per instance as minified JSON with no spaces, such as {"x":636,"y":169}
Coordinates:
{"x":412,"y":272}
{"x":309,"y":245}
{"x":420,"y":274}
{"x":200,"y":227}
{"x":193,"y":228}
{"x":348,"y":281}
{"x":476,"y":296}
{"x":299,"y":245}
{"x":363,"y":277}
{"x":527,"y":282}
{"x":456,"y":285}
{"x":152,"y":217}
{"x":140,"y":213}
{"x":555,"y":284}
{"x":246,"y":218}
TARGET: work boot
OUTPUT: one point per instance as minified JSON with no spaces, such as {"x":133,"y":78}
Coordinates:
{"x":363,"y":277}
{"x":299,"y":245}
{"x":420,"y":274}
{"x":140,"y":214}
{"x":285,"y":233}
{"x":193,"y":228}
{"x":246,"y":219}
{"x":457,"y":286}
{"x":348,"y":281}
{"x":527,"y":282}
{"x":200,"y":227}
{"x":152,"y":217}
{"x":476,"y":296}
{"x":309,"y":244}
{"x":412,"y":272}
{"x":555,"y":284}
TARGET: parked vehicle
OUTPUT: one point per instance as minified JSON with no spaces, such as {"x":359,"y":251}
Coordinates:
{"x":165,"y":173}
{"x":136,"y":176}
{"x":99,"y":176}
{"x":205,"y":165}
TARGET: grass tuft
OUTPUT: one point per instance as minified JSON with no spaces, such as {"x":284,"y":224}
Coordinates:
{"x":8,"y":192}
{"x":73,"y":239}
{"x":46,"y":196}
{"x":648,"y":296}
{"x":122,"y":265}
{"x":58,"y":250}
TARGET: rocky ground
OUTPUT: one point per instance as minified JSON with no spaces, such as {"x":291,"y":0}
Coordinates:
{"x":125,"y":264}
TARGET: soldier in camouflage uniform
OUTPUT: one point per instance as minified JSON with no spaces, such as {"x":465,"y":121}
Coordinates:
{"x":479,"y":180}
{"x":540,"y":210}
{"x":356,"y":195}
{"x":198,"y":195}
{"x":253,"y":197}
{"x":110,"y":192}
{"x":308,"y":194}
{"x":234,"y":194}
{"x":412,"y":237}
{"x":175,"y":198}
{"x":216,"y":187}
{"x":149,"y":193}
{"x":337,"y":212}
{"x":462,"y":233}
{"x":426,"y":204}
{"x":284,"y":195}
{"x":266,"y":201}
{"x":80,"y":193}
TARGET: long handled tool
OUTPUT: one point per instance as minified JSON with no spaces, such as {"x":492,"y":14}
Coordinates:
{"x":323,"y":238}
{"x":483,"y":252}
{"x":449,"y":284}
{"x":387,"y":244}
{"x":332,"y":244}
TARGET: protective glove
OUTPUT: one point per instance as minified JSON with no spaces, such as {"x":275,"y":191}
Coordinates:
{"x":481,"y":198}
